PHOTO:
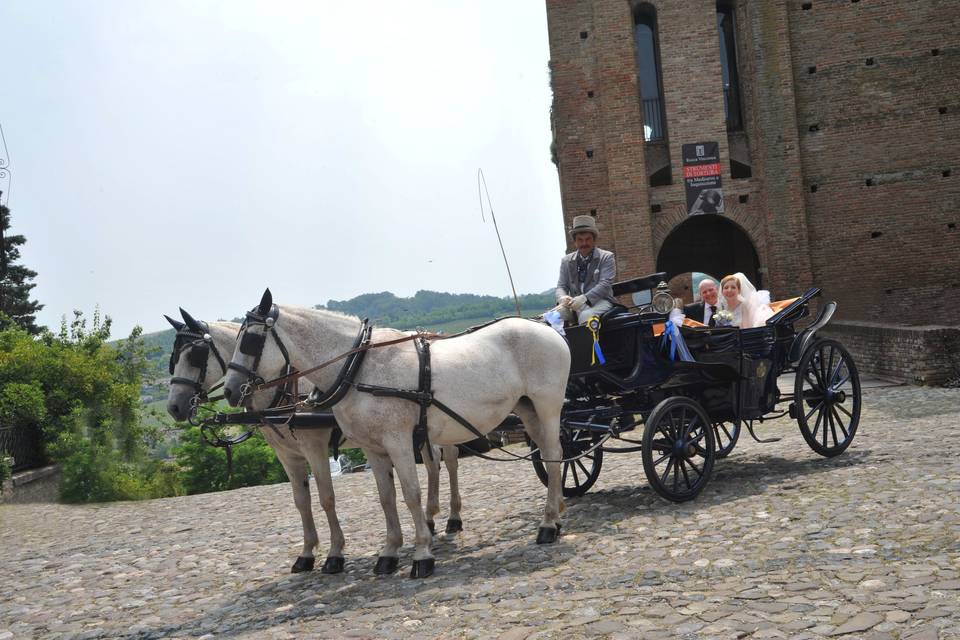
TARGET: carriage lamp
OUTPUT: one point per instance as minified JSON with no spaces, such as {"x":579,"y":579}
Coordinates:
{"x":662,"y":300}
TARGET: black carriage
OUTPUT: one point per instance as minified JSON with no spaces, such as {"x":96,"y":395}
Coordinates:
{"x":692,"y":412}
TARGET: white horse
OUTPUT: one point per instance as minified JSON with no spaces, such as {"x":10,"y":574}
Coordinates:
{"x":513,"y":365}
{"x":299,"y":452}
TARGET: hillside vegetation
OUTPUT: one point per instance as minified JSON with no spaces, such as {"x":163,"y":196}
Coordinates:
{"x":434,"y":311}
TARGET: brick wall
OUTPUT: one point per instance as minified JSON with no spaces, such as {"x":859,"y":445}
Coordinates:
{"x":887,"y":251}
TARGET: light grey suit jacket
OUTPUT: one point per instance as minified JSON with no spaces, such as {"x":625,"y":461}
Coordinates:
{"x":601,"y":272}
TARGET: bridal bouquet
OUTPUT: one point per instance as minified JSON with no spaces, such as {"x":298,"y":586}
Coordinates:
{"x":723,"y":318}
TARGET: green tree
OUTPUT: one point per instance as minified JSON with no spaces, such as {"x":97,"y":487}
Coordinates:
{"x":204,"y":468}
{"x":15,"y":286}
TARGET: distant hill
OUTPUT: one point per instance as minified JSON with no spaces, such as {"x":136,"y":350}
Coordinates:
{"x":429,"y":309}
{"x":447,"y":312}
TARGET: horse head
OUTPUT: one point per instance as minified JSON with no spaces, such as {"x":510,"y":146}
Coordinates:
{"x":256,"y":357}
{"x":196,"y":362}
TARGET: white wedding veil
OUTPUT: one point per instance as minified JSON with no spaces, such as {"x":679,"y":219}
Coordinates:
{"x":756,"y":304}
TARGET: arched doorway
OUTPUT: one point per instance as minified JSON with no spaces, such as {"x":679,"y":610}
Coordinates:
{"x":710,"y":244}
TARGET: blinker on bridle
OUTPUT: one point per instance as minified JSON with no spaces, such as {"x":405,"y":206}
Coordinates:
{"x":197,"y":347}
{"x":252,"y":344}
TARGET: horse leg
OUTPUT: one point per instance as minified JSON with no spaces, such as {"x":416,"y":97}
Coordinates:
{"x":451,"y":458}
{"x":543,"y":426}
{"x":296,"y":468}
{"x":403,"y":463}
{"x":383,"y":473}
{"x":319,"y":462}
{"x":431,"y":460}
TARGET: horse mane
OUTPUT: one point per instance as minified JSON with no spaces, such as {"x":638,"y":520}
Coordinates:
{"x":332,"y":313}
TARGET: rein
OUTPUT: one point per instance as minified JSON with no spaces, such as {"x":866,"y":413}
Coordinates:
{"x":362,"y":347}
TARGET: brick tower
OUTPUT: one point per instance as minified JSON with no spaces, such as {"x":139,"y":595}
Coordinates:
{"x":836,"y":129}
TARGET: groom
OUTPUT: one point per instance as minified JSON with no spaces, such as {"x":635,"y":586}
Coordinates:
{"x":703,"y":311}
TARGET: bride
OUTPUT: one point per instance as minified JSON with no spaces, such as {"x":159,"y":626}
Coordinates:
{"x":749,"y":307}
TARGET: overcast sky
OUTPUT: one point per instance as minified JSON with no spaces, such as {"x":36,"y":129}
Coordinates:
{"x":171,"y":153}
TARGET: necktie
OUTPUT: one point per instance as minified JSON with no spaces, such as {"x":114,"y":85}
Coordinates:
{"x":582,"y":264}
{"x":713,"y":313}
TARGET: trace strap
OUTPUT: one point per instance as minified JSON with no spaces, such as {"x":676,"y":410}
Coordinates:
{"x":423,"y":396}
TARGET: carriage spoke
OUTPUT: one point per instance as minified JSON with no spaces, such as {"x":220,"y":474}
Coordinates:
{"x":844,"y":409}
{"x":722,"y":426}
{"x":686,"y":478}
{"x":817,"y":425}
{"x":836,"y":372}
{"x":676,"y":475}
{"x":666,"y":472}
{"x":576,"y":477}
{"x":660,"y":445}
{"x":807,"y":417}
{"x":563,"y":476}
{"x":836,"y":417}
{"x":698,"y":438}
{"x":695,"y":468}
{"x":661,"y":458}
{"x":832,"y":429}
{"x":843,"y":382}
{"x":586,"y":472}
{"x":829,"y":366}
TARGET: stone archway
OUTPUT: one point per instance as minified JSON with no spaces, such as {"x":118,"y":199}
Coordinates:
{"x":709,"y":243}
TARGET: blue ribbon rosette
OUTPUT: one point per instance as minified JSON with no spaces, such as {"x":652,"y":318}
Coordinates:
{"x":673,"y":340}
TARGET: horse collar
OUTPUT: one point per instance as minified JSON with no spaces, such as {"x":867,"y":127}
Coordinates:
{"x":326,"y":399}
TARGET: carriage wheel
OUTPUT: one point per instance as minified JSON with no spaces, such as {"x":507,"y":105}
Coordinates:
{"x":827,"y":397}
{"x":678,"y":449}
{"x":578,"y":476}
{"x":726,"y":435}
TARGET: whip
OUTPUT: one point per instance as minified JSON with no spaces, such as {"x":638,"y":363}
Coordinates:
{"x":483,"y":181}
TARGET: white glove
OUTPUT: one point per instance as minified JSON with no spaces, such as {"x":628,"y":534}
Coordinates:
{"x":579,"y":303}
{"x":565,"y":301}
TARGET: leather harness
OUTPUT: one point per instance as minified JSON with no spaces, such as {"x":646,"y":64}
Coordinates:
{"x":423,"y":396}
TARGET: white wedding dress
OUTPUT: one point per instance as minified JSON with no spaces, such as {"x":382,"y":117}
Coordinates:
{"x":754,"y":308}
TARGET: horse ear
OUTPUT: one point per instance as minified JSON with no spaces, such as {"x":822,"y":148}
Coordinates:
{"x":176,"y":324}
{"x":192,"y":324}
{"x":266,"y":303}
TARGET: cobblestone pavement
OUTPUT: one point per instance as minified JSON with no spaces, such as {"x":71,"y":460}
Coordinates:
{"x":781,"y":544}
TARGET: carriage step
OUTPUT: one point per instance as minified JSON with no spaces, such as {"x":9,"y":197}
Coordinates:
{"x":755,"y":437}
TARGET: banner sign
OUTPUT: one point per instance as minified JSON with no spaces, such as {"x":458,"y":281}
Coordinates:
{"x":701,"y":177}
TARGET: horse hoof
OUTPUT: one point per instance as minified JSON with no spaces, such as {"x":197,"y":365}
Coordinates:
{"x":432,"y":527}
{"x":422,"y":568}
{"x":333,"y":564}
{"x":386,"y":565}
{"x":548,"y":535}
{"x":454,"y":525}
{"x":302,"y":564}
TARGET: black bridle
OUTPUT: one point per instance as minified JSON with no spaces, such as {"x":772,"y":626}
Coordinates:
{"x":197,"y":347}
{"x":252,"y":344}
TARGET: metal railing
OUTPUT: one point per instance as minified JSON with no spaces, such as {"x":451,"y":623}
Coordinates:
{"x":652,"y":119}
{"x":25,"y":445}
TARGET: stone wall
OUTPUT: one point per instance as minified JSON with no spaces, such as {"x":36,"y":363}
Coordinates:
{"x":918,"y":355}
{"x":35,"y":485}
